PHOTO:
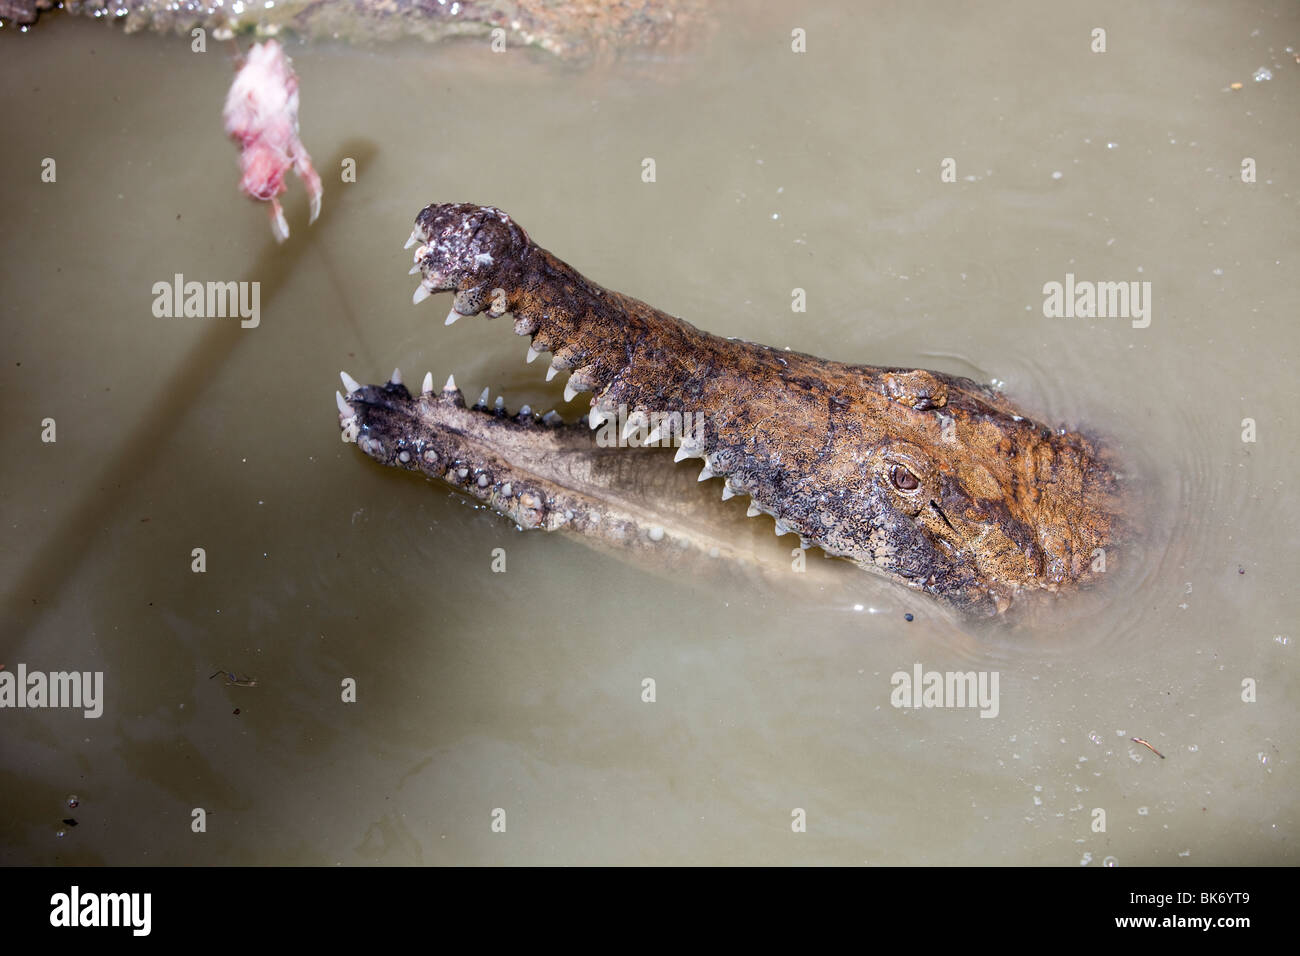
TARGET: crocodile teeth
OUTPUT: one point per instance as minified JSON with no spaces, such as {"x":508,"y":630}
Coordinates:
{"x":532,"y":355}
{"x":421,"y":293}
{"x":349,"y":382}
{"x":451,"y":384}
{"x":550,"y":372}
{"x":500,"y":403}
{"x":633,"y":425}
{"x":552,"y":417}
{"x":344,"y":407}
{"x":684,"y":452}
{"x":483,"y":398}
{"x":427,"y":387}
{"x":782,"y":528}
{"x":570,"y":393}
{"x":452,"y":316}
{"x":526,"y":411}
{"x":396,"y":377}
{"x":727,"y":492}
{"x":652,"y":438}
{"x":752,"y":511}
{"x":414,"y":238}
{"x":705,"y":474}
{"x":595,"y":417}
{"x":414,"y":269}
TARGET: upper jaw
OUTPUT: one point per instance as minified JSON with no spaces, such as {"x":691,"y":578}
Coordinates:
{"x":458,"y":246}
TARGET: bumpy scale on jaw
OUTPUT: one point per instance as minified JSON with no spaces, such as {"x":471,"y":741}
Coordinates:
{"x":533,"y":468}
{"x":929,"y":479}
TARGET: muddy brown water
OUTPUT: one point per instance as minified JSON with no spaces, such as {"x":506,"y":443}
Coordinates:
{"x":522,"y":692}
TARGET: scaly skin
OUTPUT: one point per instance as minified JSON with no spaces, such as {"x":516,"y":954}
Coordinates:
{"x":576,"y":30}
{"x":932,"y":480}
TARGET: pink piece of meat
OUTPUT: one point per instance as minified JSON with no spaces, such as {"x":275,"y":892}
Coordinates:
{"x":261,"y":115}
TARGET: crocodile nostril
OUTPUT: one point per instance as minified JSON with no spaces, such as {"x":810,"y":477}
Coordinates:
{"x":903,"y":479}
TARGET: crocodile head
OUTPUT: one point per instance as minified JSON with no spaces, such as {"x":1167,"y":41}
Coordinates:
{"x":932,"y":480}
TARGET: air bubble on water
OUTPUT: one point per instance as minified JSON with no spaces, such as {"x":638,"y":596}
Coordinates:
{"x":1095,"y":738}
{"x":1087,"y":858}
{"x":1110,"y":861}
{"x":73,"y":801}
{"x":1143,"y":811}
{"x":60,"y":833}
{"x":1263,"y":74}
{"x":1057,"y":174}
{"x":1281,"y":639}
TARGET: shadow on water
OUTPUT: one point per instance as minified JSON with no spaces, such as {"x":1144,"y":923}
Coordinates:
{"x":57,"y":560}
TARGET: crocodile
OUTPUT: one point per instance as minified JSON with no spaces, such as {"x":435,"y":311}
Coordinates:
{"x":572,"y":30}
{"x":934,"y":481}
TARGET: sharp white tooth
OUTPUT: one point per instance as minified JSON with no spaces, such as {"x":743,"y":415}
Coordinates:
{"x":315,"y":209}
{"x":451,"y":384}
{"x":570,"y":393}
{"x":396,"y":378}
{"x":552,"y":418}
{"x":344,"y":407}
{"x":595,"y":417}
{"x":631,"y":427}
{"x":781,"y":528}
{"x":349,"y":382}
{"x":753,"y":511}
{"x":421,"y":293}
{"x":412,"y":240}
{"x":532,"y":354}
{"x":683,"y":452}
{"x":525,"y":410}
{"x":500,"y":403}
{"x":705,"y":474}
{"x":427,"y":386}
{"x":484,"y":396}
{"x":414,"y":269}
{"x":452,"y":316}
{"x":727,"y":492}
{"x":652,"y":438}
{"x":550,"y":372}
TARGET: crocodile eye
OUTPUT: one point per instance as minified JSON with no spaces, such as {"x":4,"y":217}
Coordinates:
{"x":903,"y":479}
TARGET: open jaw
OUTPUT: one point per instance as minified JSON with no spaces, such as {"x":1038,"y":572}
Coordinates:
{"x":934,"y":481}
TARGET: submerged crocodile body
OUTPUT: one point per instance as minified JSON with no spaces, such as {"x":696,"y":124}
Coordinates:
{"x":576,"y":30}
{"x":932,"y":480}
